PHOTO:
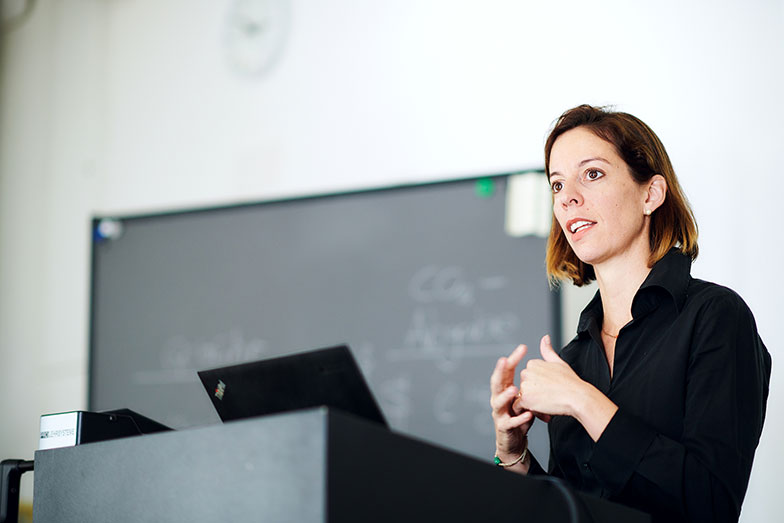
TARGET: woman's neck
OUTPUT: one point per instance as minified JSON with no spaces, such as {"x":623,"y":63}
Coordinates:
{"x":619,"y":280}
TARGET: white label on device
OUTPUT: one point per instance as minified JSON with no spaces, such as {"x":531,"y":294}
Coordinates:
{"x":58,"y":430}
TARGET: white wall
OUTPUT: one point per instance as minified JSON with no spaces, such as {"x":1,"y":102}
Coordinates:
{"x":128,"y":105}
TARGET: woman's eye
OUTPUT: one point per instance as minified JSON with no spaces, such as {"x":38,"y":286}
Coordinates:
{"x":593,"y":174}
{"x":557,"y":186}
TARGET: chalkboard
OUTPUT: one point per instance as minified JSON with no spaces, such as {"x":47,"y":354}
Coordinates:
{"x":422,"y":282}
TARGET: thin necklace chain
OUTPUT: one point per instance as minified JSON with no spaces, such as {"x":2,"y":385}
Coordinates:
{"x":610,"y":335}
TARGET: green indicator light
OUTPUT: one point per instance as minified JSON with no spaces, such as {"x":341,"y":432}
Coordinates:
{"x":485,"y":187}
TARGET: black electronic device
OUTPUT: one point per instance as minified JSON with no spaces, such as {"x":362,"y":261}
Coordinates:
{"x":327,"y":377}
{"x":67,"y":429}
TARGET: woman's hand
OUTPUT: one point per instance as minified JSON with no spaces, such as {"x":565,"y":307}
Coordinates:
{"x":511,"y":424}
{"x":550,"y":386}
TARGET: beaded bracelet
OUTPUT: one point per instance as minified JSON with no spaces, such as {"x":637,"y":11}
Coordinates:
{"x":498,"y":461}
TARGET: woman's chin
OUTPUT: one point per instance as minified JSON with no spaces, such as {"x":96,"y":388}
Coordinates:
{"x":587,"y":255}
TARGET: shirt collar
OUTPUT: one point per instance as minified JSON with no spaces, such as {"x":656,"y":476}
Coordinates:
{"x":591,"y":315}
{"x":670,"y":274}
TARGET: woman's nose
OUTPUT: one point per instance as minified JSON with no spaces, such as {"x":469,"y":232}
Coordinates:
{"x":569,"y":196}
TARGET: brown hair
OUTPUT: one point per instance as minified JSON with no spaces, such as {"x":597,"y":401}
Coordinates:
{"x":672,"y":224}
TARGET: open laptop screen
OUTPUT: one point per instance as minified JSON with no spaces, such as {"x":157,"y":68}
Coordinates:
{"x":327,"y":377}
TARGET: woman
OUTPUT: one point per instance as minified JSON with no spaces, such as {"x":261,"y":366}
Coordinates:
{"x":659,"y":401}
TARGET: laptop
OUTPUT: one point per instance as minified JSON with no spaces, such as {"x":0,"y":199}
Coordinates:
{"x":328,"y":377}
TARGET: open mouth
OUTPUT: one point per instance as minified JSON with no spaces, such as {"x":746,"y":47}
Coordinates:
{"x":580,"y":225}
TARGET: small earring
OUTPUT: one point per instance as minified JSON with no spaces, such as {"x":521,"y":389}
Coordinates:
{"x":647,"y":212}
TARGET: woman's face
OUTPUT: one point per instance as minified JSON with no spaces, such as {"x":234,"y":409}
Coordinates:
{"x":599,"y":206}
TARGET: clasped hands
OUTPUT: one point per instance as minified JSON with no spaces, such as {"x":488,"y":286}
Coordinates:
{"x":548,"y":387}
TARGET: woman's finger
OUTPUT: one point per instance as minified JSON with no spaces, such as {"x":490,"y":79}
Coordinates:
{"x":503,"y":374}
{"x":500,"y":402}
{"x":510,"y":363}
{"x":496,"y":378}
{"x":517,"y":355}
{"x":514,"y":423}
{"x":517,"y":403}
{"x":518,"y":421}
{"x":546,"y":348}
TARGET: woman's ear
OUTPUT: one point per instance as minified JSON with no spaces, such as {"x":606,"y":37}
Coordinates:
{"x":656,"y":193}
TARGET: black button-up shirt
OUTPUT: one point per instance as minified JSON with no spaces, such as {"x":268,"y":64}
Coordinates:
{"x":690,"y":380}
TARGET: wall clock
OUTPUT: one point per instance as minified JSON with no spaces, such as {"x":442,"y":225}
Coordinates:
{"x":255,"y":34}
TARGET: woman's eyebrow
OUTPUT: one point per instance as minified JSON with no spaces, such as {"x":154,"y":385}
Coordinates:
{"x":587,"y":160}
{"x":597,"y":158}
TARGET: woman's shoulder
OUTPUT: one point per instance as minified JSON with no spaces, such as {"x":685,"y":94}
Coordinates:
{"x":702,"y":293}
{"x":724,"y":327}
{"x":714,"y":304}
